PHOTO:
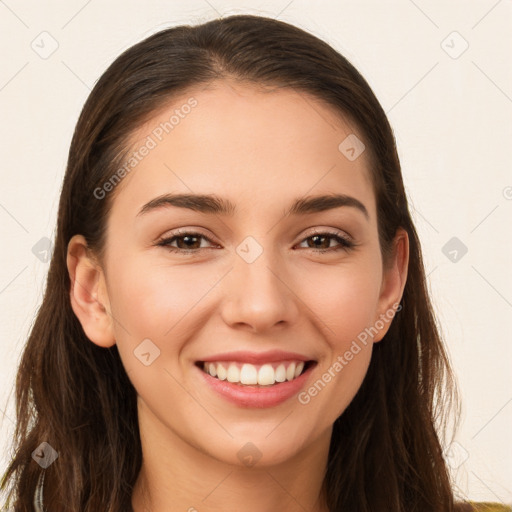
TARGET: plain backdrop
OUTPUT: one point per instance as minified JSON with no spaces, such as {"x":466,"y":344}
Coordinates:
{"x":442,"y":72}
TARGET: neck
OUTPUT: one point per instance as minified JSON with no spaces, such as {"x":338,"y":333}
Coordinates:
{"x":176,"y":476}
{"x":231,"y":491}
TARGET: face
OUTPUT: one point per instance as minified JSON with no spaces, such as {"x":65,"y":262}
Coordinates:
{"x":266,"y":290}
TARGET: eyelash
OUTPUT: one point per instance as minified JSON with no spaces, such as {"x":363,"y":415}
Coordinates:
{"x":345,"y":243}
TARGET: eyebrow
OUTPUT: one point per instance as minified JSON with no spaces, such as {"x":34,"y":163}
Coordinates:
{"x":214,"y":205}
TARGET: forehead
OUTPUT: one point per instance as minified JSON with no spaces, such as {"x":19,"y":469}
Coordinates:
{"x":245,"y":142}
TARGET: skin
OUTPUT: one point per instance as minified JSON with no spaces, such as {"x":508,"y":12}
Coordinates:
{"x":261,"y":150}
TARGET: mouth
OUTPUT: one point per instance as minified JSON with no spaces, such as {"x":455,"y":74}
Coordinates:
{"x":264,"y":375}
{"x":255,"y":379}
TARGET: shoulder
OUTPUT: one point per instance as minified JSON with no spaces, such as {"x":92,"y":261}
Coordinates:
{"x":473,"y":506}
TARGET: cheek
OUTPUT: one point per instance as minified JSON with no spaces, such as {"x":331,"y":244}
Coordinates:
{"x":160,"y":302}
{"x":343,"y":300}
{"x":147,"y":302}
{"x":152,"y":298}
{"x":154,"y":307}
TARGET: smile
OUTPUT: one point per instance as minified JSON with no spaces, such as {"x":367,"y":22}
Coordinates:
{"x":267,"y":374}
{"x":255,"y":385}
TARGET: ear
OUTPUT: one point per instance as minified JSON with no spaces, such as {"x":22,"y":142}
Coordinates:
{"x":393,"y":284}
{"x":88,"y":293}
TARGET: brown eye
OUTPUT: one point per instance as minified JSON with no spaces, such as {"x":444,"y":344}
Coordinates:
{"x":186,"y":241}
{"x":321,"y":242}
{"x":190,"y":242}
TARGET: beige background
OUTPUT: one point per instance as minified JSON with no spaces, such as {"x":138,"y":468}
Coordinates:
{"x":443,"y":73}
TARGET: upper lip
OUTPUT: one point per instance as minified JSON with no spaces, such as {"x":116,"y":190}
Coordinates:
{"x":257,"y":357}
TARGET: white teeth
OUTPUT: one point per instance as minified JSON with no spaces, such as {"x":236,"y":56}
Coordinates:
{"x":280,"y":373}
{"x":233,"y":373}
{"x":290,"y":372}
{"x":221,"y":371}
{"x":249,"y":374}
{"x":266,"y":375}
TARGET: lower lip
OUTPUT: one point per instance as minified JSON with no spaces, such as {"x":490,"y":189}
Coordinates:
{"x":254,"y":396}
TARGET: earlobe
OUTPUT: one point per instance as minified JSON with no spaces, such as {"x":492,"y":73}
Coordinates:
{"x":393,"y":284}
{"x":88,"y":293}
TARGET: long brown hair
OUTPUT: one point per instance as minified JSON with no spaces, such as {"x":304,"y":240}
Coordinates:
{"x":386,"y":450}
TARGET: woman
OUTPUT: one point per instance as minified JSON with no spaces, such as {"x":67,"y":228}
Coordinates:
{"x":236,"y":301}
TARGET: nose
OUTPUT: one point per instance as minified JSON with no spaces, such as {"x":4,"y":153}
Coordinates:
{"x":259,"y":294}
